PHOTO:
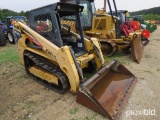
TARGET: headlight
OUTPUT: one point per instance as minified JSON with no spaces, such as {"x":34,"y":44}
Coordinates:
{"x":80,"y":9}
{"x":58,"y":7}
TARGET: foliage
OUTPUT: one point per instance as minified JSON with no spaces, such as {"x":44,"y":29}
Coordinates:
{"x":1,"y":14}
{"x":151,"y":16}
{"x":9,"y":55}
{"x":155,"y":10}
{"x":5,"y":12}
{"x":148,"y":14}
{"x":74,"y":110}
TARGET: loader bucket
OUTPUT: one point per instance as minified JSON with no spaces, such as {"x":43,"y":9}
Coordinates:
{"x":137,"y":48}
{"x":108,"y":90}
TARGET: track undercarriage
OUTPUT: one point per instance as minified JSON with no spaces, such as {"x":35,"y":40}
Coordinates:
{"x":36,"y":66}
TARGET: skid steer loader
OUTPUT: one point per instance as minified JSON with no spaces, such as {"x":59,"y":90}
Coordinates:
{"x":107,"y":29}
{"x":58,"y":58}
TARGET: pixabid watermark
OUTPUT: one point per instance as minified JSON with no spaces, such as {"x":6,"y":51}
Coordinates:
{"x":141,"y":112}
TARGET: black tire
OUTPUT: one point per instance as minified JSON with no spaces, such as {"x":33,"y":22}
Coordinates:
{"x":91,"y":67}
{"x":2,"y":39}
{"x":10,"y":36}
{"x":106,"y":48}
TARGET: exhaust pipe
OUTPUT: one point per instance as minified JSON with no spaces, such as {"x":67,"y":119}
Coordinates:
{"x":115,"y":7}
{"x":110,"y":9}
{"x":104,"y":4}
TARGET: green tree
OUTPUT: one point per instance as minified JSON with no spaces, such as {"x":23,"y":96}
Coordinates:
{"x":1,"y":15}
{"x":151,"y":16}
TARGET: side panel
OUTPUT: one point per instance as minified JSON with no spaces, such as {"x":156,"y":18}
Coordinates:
{"x":104,"y":25}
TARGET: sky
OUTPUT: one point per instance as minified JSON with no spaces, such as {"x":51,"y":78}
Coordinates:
{"x":26,"y":5}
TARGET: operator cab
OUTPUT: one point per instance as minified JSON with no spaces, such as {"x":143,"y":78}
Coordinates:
{"x":47,"y":22}
{"x":121,"y":19}
{"x":121,"y":15}
{"x":87,"y":13}
{"x":11,"y":19}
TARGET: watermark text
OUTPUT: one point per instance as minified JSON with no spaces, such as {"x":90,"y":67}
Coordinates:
{"x":141,"y":112}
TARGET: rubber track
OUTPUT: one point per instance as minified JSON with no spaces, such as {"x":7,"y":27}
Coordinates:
{"x":2,"y":39}
{"x":55,"y":70}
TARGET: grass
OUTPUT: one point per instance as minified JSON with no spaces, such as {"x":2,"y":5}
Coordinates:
{"x":147,"y":56}
{"x":86,"y":118}
{"x":26,"y":116}
{"x":29,"y":105}
{"x":92,"y":117}
{"x":74,"y":110}
{"x":88,"y":75}
{"x":73,"y":119}
{"x":9,"y":55}
{"x":117,"y":56}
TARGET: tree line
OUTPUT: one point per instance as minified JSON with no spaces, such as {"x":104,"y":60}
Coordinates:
{"x":151,"y":17}
{"x":148,"y":14}
{"x":5,"y":12}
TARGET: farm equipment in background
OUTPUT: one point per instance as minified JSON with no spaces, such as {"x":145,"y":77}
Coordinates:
{"x":9,"y":23}
{"x":107,"y":29}
{"x":129,"y":19}
{"x":148,"y":25}
{"x":129,"y":26}
{"x":2,"y":34}
{"x":58,"y":58}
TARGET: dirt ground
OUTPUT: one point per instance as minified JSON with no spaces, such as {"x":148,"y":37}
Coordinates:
{"x":22,"y":98}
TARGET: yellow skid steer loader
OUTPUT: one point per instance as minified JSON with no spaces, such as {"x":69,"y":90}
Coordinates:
{"x":58,"y":58}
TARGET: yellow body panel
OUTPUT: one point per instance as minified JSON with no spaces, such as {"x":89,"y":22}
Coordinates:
{"x":44,"y":75}
{"x":104,"y":26}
